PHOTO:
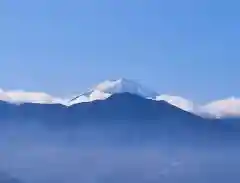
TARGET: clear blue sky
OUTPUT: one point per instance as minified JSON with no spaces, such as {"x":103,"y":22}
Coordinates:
{"x":189,"y":48}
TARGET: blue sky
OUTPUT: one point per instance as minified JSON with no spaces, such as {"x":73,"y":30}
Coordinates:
{"x":188,"y":48}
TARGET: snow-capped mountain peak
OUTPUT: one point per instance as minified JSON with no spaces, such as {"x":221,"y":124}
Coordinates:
{"x":124,"y":85}
{"x":110,"y":87}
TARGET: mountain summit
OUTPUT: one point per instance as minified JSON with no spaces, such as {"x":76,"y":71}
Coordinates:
{"x":109,"y":87}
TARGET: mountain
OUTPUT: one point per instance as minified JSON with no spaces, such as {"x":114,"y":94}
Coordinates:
{"x":136,"y":113}
{"x":100,"y":92}
{"x":110,"y":87}
{"x":128,"y":106}
{"x":226,"y":108}
{"x":119,"y":114}
{"x":120,"y":106}
{"x":107,"y":88}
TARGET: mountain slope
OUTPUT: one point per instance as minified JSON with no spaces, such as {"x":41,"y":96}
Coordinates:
{"x":117,"y":107}
{"x":179,"y":102}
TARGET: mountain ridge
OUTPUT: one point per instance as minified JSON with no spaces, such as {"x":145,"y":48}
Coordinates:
{"x":216,"y":109}
{"x":118,"y":107}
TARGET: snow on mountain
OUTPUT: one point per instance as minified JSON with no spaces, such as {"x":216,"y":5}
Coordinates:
{"x":107,"y":88}
{"x":110,"y":87}
{"x":179,"y":102}
{"x":229,"y":107}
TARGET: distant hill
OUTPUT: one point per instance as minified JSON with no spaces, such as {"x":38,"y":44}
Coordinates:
{"x":122,"y":106}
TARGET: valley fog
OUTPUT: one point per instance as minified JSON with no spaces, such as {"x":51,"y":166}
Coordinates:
{"x":112,"y":153}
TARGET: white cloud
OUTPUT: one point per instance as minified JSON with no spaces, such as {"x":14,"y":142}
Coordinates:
{"x":19,"y":96}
